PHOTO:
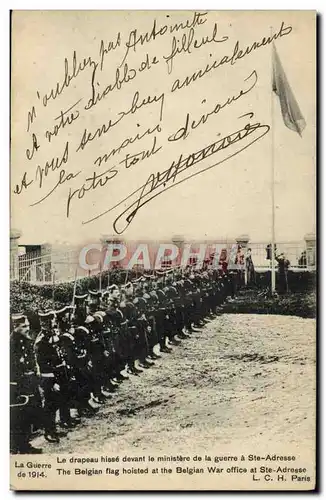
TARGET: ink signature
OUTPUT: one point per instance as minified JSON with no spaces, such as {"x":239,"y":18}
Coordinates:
{"x":160,"y":182}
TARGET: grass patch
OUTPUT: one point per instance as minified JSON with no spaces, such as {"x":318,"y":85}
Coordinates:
{"x":301,"y":304}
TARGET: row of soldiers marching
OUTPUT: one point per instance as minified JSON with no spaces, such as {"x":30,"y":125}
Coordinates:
{"x":85,"y":350}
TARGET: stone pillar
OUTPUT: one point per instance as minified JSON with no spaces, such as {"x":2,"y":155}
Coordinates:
{"x":243,"y":240}
{"x":111,"y":240}
{"x":15,"y":234}
{"x":310,"y":240}
{"x":178,"y":240}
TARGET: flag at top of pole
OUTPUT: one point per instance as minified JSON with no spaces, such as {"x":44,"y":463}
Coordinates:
{"x":294,"y":120}
{"x":291,"y":113}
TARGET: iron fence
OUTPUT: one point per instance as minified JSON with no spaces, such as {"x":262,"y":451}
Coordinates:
{"x":62,"y":266}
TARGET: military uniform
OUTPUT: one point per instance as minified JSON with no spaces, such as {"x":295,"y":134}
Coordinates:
{"x":173,"y":322}
{"x":51,"y":367}
{"x":66,"y":350}
{"x":130,"y":313}
{"x":26,"y":410}
{"x":80,"y":308}
{"x":83,"y":369}
{"x":188,"y":303}
{"x":142,"y":348}
{"x":180,"y":306}
{"x":151,"y":298}
{"x":162,"y":317}
{"x":82,"y":350}
{"x":119,"y":333}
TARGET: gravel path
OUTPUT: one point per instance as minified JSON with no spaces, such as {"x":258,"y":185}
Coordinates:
{"x":240,"y":377}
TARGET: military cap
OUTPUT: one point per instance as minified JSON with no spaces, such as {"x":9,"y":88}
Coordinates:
{"x":81,"y":298}
{"x":127,"y":285}
{"x":81,"y":330}
{"x":141,"y":279}
{"x":93,"y":297}
{"x":46,"y":315}
{"x":64,"y":310}
{"x":18,"y":318}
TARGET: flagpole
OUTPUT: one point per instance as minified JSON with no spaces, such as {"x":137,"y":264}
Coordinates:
{"x":293,"y":119}
{"x":53,"y":286}
{"x":273,"y":280}
{"x":100,"y":277}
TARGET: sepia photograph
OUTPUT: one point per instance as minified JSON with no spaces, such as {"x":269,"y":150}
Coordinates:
{"x":163,"y":255}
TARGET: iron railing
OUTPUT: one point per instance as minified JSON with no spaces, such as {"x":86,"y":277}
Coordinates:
{"x":62,"y":266}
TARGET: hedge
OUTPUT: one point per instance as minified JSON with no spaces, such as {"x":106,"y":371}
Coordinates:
{"x":28,"y":298}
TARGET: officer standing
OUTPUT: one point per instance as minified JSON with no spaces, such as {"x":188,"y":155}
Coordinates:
{"x":66,"y":349}
{"x":130,"y":313}
{"x":116,"y":319}
{"x":25,"y":396}
{"x":162,"y":316}
{"x":151,"y":298}
{"x":50,"y":366}
{"x":83,"y":363}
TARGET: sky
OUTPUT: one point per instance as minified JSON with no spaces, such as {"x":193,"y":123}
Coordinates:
{"x":230,"y":199}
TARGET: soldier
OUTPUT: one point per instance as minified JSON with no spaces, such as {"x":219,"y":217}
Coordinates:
{"x":86,"y":404}
{"x":188,"y":303}
{"x":198,"y":300}
{"x":171,"y":317}
{"x":105,"y":362}
{"x":26,"y":402}
{"x":93,"y":301}
{"x":283,"y":270}
{"x":158,"y":313}
{"x":162,"y":317}
{"x":150,"y":295}
{"x":214,"y":290}
{"x":118,"y":322}
{"x":95,"y":324}
{"x":80,"y":311}
{"x":68,"y":385}
{"x":205,"y":294}
{"x":96,"y":349}
{"x":220,"y":296}
{"x":107,"y":338}
{"x":143,"y":330}
{"x":51,"y":365}
{"x":130,"y":313}
{"x":180,"y":306}
{"x":227,"y":289}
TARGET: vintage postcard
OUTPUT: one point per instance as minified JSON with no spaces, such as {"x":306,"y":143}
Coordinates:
{"x":163,"y":250}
